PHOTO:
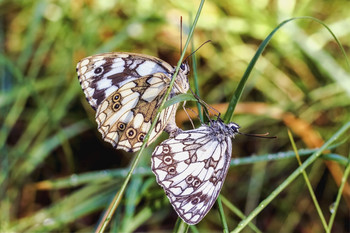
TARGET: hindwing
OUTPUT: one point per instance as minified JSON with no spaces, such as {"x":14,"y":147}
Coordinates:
{"x":191,"y":169}
{"x":125,"y":117}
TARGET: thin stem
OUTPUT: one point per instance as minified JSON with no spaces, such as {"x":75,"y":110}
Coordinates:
{"x":238,"y":212}
{"x":340,"y":191}
{"x":222,"y":216}
{"x":291,"y":178}
{"x":196,"y":86}
{"x":307,"y":181}
{"x":239,"y":90}
{"x":181,"y":226}
{"x":113,"y":206}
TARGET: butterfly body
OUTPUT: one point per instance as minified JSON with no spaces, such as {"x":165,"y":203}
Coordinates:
{"x":192,"y":166}
{"x":126,"y":90}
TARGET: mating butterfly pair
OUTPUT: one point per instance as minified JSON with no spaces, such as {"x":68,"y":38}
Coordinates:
{"x":126,"y":90}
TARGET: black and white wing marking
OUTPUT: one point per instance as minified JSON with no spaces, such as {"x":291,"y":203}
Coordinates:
{"x":125,"y":117}
{"x":101,"y":75}
{"x":191,"y":168}
{"x":126,"y":90}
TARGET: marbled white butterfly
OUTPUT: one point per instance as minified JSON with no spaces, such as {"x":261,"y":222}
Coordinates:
{"x":192,"y":166}
{"x":126,"y":90}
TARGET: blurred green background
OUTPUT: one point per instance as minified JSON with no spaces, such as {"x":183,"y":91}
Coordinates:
{"x":57,"y":174}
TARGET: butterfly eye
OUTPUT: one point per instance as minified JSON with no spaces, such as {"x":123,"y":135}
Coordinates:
{"x":121,"y":126}
{"x":98,"y":70}
{"x":234,"y":128}
{"x":185,"y":69}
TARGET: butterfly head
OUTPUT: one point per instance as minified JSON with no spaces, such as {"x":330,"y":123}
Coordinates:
{"x":184,"y":68}
{"x":232,"y":128}
{"x":221,"y":128}
{"x":181,"y":81}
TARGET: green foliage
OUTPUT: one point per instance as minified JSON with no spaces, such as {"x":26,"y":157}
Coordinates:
{"x":56,"y":173}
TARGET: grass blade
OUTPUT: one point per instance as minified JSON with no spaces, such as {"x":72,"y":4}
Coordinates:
{"x":117,"y":199}
{"x":291,"y":178}
{"x":307,"y":181}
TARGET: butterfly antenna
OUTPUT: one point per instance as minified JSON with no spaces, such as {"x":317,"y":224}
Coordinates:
{"x":195,"y":50}
{"x":258,"y":135}
{"x":194,"y":112}
{"x":184,"y":108}
{"x":180,"y":35}
{"x":203,"y":103}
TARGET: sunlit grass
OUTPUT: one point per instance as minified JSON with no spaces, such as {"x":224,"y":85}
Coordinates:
{"x":56,"y":173}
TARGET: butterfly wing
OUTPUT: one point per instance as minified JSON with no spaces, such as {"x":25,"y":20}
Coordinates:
{"x":191,"y":169}
{"x":101,"y":75}
{"x":125,"y":116}
{"x":141,"y":82}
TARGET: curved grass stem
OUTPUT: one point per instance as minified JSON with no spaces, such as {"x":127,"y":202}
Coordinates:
{"x":291,"y":178}
{"x":116,"y":200}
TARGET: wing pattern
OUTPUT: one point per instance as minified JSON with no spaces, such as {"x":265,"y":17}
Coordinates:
{"x":126,"y":90}
{"x":192,"y":166}
{"x":125,"y":117}
{"x":100,"y":75}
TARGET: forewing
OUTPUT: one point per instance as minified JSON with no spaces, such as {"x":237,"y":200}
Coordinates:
{"x":126,"y":115}
{"x":191,"y":169}
{"x":101,"y":75}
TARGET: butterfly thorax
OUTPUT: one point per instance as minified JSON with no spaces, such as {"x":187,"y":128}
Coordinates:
{"x":181,"y":84}
{"x":226,"y":130}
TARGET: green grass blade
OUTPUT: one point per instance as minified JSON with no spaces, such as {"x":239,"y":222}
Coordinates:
{"x":307,"y":181}
{"x":337,"y":201}
{"x":239,"y":90}
{"x":179,"y":98}
{"x":76,"y":180}
{"x":239,"y":213}
{"x":222,"y":216}
{"x":195,"y":81}
{"x":180,"y":226}
{"x":286,"y":155}
{"x":119,"y":195}
{"x":291,"y":178}
{"x":34,"y":26}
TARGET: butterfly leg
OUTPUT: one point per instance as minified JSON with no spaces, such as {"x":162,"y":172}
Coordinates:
{"x":184,"y":108}
{"x":171,"y":128}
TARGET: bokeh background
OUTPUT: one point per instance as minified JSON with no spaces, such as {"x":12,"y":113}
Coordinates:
{"x":58,"y":175}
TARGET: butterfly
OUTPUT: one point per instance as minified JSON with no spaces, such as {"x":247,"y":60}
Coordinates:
{"x":126,"y":90}
{"x":192,"y":166}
